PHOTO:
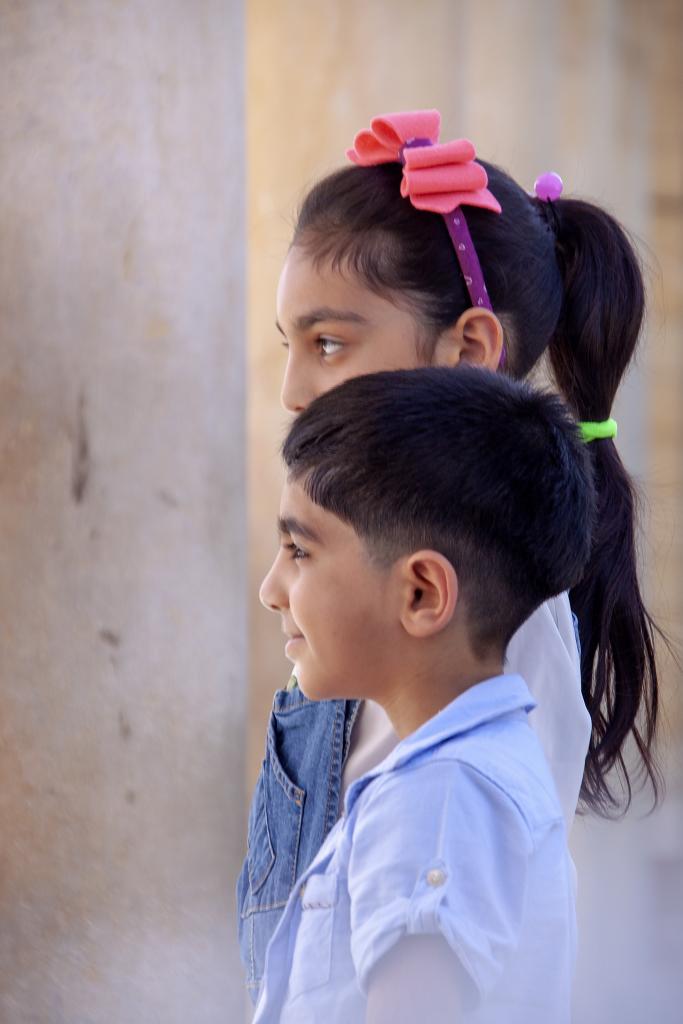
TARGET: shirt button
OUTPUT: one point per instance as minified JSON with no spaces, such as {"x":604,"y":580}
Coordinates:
{"x":436,"y":877}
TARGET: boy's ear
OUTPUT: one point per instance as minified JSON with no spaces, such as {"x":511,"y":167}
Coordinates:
{"x":476,"y":338}
{"x":429,"y":593}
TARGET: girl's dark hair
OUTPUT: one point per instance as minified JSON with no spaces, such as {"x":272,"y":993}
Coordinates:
{"x":563,"y":279}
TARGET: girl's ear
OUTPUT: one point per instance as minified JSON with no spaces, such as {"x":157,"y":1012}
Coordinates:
{"x":429,"y":593}
{"x":476,"y":337}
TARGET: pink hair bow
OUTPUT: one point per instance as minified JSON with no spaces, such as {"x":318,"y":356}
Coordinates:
{"x":436,"y":176}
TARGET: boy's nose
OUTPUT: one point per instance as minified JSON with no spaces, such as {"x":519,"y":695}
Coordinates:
{"x":271,"y":593}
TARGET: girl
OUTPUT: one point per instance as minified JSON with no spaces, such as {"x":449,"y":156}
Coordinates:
{"x":379,"y":276}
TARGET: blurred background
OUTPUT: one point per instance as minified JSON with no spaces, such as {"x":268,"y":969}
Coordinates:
{"x":593,"y":90}
{"x":152,"y":155}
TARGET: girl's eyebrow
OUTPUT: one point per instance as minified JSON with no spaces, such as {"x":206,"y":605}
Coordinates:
{"x":292,"y":526}
{"x":324,"y":313}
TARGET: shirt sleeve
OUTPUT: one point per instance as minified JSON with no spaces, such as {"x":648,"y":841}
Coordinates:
{"x":438,"y":849}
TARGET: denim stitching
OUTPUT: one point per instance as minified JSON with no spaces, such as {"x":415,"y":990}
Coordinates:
{"x":288,"y":711}
{"x":261,"y":909}
{"x":296,"y":849}
{"x":251,"y":949}
{"x":291,"y":700}
{"x":297,"y":795}
{"x":255,"y":884}
{"x":353,"y":708}
{"x":332,"y":807}
{"x":292,"y":792}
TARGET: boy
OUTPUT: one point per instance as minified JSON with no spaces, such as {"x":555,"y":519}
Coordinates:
{"x":426,"y":514}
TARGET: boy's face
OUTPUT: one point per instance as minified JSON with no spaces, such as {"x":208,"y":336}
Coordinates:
{"x":338,"y":609}
{"x":335,"y":328}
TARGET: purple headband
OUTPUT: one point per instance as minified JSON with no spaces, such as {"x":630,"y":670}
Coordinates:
{"x":462,"y":243}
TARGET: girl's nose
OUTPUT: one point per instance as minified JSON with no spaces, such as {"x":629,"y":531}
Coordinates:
{"x":296,"y":389}
{"x":272,"y":594}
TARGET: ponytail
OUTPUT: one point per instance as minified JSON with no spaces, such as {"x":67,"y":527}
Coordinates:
{"x":563,"y":278}
{"x":591,"y":348}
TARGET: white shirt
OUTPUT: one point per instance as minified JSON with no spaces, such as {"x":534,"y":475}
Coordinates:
{"x":545,"y":653}
{"x":457,"y":833}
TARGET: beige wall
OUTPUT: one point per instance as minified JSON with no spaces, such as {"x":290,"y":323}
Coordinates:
{"x":122,"y":652}
{"x":593,"y":90}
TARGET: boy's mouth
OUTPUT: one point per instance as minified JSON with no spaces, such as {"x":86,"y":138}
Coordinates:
{"x":291,"y":645}
{"x":293,"y":638}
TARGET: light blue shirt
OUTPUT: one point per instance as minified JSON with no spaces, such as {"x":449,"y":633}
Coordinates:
{"x":458,"y":832}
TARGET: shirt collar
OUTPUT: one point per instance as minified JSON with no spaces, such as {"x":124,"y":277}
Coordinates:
{"x":483,"y":702}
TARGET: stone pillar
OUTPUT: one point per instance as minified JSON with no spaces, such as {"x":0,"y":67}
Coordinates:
{"x":122,"y":570}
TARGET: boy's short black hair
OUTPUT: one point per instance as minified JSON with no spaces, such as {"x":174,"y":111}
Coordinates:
{"x":489,"y":472}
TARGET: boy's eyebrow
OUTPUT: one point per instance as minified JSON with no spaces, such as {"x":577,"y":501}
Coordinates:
{"x":291,"y":525}
{"x":322,"y":313}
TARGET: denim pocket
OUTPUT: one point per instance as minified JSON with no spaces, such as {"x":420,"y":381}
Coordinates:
{"x":295,"y":804}
{"x":274,"y":834}
{"x":312,"y":962}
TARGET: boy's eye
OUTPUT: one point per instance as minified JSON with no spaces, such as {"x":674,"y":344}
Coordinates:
{"x":295,"y":551}
{"x":328,"y":346}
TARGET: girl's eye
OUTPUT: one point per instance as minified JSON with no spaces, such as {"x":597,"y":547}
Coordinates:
{"x":296,"y":552}
{"x":328,"y":346}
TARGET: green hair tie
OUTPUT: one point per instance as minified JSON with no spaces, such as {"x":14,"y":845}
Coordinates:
{"x":598,"y":431}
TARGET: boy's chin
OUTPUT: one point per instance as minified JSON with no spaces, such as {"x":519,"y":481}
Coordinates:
{"x":309,"y":690}
{"x":309,"y":685}
{"x":318,"y":689}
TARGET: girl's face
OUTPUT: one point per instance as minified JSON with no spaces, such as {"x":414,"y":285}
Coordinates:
{"x":334,"y":328}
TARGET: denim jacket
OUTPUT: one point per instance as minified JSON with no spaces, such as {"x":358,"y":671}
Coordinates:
{"x":306,"y":747}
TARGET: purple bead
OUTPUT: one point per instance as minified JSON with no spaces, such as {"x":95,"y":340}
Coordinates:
{"x":548,"y":186}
